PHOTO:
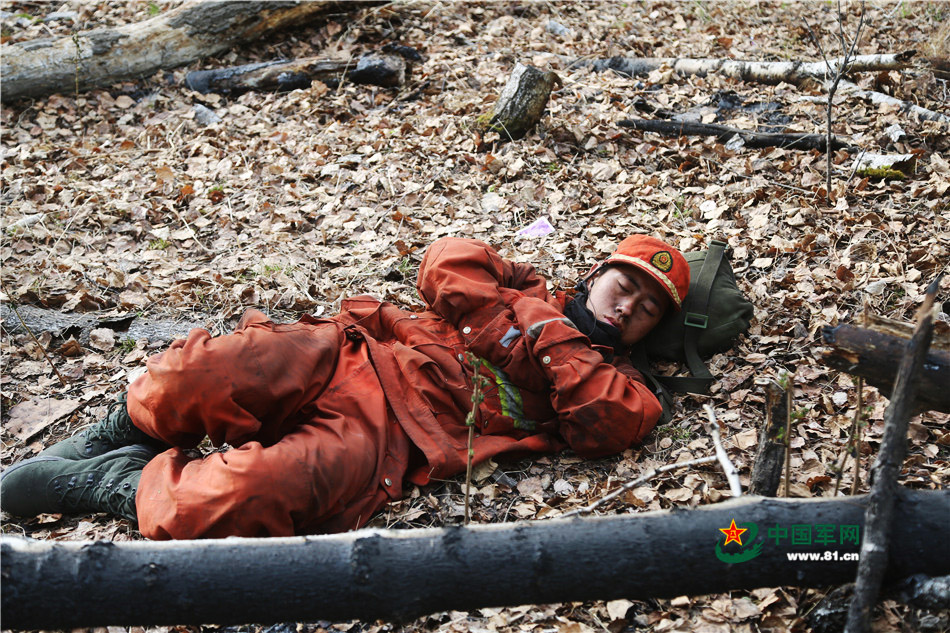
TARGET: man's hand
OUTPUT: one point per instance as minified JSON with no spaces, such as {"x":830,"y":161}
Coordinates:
{"x":624,"y":367}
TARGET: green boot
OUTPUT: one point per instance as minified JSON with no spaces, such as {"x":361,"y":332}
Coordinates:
{"x":48,"y":483}
{"x":115,"y":431}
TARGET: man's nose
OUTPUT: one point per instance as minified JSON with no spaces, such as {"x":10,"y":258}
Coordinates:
{"x":627,"y":305}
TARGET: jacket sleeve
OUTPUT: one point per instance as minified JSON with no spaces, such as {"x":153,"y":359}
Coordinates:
{"x":505,"y":315}
{"x":464,"y":279}
{"x":602,"y":409}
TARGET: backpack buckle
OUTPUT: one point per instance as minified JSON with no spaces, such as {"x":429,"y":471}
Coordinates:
{"x":694,"y":319}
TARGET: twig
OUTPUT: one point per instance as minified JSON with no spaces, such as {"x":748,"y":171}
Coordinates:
{"x":836,"y":74}
{"x":636,"y":482}
{"x":38,"y":344}
{"x":732,"y":475}
{"x":789,"y":393}
{"x":856,"y":480}
{"x":478,"y":395}
{"x":879,"y":514}
{"x":851,"y":447}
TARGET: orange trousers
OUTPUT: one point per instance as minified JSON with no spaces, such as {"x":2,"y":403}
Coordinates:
{"x":316,"y":447}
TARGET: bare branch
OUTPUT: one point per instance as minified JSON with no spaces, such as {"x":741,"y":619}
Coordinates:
{"x":636,"y":482}
{"x":732,"y":475}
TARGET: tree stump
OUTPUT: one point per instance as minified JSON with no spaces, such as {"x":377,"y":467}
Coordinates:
{"x":770,"y":453}
{"x":522,"y":102}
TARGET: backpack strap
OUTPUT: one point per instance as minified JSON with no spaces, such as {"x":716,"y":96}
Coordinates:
{"x":695,"y":318}
{"x":638,"y":358}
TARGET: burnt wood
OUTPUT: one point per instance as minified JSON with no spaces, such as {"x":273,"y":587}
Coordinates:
{"x":725,"y":133}
{"x":880,"y":513}
{"x":770,"y":452}
{"x":875,"y":355}
{"x":397,"y":575}
{"x":373,"y":68}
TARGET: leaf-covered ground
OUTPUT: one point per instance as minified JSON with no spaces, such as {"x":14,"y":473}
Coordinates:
{"x":122,"y":202}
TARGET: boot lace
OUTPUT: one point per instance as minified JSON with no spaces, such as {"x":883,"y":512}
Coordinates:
{"x":117,"y":426}
{"x":98,"y":493}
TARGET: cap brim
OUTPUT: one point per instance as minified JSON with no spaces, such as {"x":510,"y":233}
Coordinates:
{"x":664,"y":282}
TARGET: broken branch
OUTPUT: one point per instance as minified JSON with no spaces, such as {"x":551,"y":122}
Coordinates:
{"x":906,"y":106}
{"x":763,"y":72}
{"x":770,"y":452}
{"x":879,"y":515}
{"x":373,"y":68}
{"x":725,"y":134}
{"x":732,"y":475}
{"x":874,"y":354}
{"x":179,"y":36}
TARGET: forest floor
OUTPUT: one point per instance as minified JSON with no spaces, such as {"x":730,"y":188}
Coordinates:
{"x":120,"y":202}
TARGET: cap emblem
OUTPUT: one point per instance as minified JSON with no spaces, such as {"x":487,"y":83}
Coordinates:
{"x":662,"y":261}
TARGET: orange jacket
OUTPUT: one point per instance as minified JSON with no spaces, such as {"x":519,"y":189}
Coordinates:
{"x":548,"y":385}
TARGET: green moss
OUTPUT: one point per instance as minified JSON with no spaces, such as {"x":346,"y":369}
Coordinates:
{"x":883,"y":173}
{"x":484,"y":120}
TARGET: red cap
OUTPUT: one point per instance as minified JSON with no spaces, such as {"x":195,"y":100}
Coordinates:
{"x":658,"y":259}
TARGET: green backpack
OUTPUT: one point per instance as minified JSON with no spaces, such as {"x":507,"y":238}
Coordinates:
{"x":714,"y":314}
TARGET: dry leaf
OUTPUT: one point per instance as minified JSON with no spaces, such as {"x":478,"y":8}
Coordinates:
{"x":102,"y":339}
{"x":31,"y":417}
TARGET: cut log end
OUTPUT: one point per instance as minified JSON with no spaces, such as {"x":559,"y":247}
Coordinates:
{"x":874,"y":353}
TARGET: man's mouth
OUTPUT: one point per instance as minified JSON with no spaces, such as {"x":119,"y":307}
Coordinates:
{"x":612,"y":321}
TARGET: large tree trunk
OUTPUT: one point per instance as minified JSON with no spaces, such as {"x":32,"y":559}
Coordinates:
{"x":406,"y":573}
{"x":105,"y":56}
{"x":875,"y":353}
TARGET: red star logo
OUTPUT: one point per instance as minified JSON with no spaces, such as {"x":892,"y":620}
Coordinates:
{"x":733,"y":533}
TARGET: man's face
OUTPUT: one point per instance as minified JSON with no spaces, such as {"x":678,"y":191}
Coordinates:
{"x":628,"y":299}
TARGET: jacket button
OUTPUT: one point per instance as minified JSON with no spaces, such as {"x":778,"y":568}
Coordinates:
{"x":466,"y":330}
{"x":413,"y":316}
{"x":546,"y":360}
{"x":388,"y":481}
{"x":461,"y":358}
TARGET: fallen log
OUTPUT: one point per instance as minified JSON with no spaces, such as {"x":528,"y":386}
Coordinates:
{"x":78,"y":325}
{"x":879,"y":98}
{"x":726,"y":134}
{"x":180,"y":36}
{"x":373,"y":68}
{"x":395,"y":574}
{"x":762,"y":72}
{"x":874,"y":353}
